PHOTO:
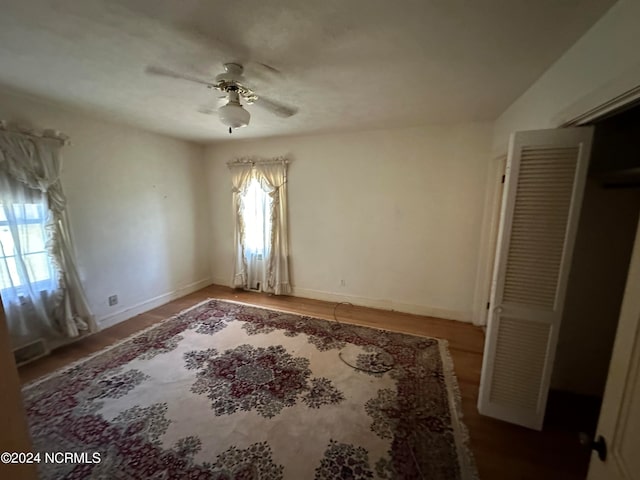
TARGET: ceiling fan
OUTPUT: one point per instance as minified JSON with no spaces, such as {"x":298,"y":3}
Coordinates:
{"x":233,"y":85}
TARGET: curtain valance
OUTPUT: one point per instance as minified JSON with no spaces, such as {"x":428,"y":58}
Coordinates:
{"x":31,"y":160}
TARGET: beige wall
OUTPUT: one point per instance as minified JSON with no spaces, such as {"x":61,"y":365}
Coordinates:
{"x":137,"y":204}
{"x":396,"y":214}
{"x":604,"y":61}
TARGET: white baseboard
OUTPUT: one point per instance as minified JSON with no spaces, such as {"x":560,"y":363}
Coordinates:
{"x":127,"y":313}
{"x":372,"y":302}
{"x":383,"y":304}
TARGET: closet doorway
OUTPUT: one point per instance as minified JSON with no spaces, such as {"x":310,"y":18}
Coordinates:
{"x":598,"y":276}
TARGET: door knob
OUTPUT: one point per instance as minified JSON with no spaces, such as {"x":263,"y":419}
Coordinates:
{"x":599,"y":445}
{"x":497,"y":310}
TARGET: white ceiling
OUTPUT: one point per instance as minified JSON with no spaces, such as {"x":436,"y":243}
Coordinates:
{"x":346,"y":64}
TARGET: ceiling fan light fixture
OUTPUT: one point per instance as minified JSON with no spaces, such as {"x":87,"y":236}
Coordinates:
{"x":233,"y":115}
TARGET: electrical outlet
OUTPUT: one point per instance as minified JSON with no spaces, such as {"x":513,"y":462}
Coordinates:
{"x":113,"y":300}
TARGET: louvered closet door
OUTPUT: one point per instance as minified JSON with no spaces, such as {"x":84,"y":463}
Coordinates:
{"x":546,"y":172}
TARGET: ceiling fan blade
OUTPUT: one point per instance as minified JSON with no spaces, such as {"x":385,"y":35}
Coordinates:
{"x":165,"y":72}
{"x":279,"y":109}
{"x":269,"y":68}
{"x":263,"y":73}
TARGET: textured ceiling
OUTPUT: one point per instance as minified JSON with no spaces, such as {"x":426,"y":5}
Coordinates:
{"x":346,"y":64}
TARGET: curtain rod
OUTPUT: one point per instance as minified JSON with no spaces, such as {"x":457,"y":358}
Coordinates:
{"x":29,"y":132}
{"x":253,"y":161}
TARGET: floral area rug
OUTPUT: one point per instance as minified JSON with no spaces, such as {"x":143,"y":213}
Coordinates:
{"x":230,"y":391}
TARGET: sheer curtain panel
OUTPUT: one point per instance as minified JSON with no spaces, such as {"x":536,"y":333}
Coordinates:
{"x":41,"y":290}
{"x":240,"y":178}
{"x":273,"y":178}
{"x":28,"y":281}
{"x":256,"y":218}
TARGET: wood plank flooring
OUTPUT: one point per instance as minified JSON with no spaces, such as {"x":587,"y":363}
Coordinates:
{"x":502,"y":451}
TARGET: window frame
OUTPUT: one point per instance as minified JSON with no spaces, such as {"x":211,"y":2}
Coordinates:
{"x":42,"y":216}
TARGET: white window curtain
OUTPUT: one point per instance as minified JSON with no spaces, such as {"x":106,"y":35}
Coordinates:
{"x":41,"y":290}
{"x":257,"y":221}
{"x":261,"y":247}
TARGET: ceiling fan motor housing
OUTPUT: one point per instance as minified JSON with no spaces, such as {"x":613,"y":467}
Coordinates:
{"x":232,"y":73}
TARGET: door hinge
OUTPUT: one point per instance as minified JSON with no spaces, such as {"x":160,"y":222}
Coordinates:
{"x":488,"y":305}
{"x":503,"y":177}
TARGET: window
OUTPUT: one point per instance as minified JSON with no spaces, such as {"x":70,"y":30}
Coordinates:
{"x":256,"y":216}
{"x":41,"y":290}
{"x":261,"y":246}
{"x":29,"y":227}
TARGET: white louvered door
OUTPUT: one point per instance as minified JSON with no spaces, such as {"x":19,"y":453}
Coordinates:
{"x":545,"y":177}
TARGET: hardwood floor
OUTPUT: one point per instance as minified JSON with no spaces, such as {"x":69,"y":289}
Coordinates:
{"x":502,"y":451}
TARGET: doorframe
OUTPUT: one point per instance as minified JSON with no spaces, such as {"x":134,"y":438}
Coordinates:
{"x":623,"y":370}
{"x":14,"y":428}
{"x":605,"y":100}
{"x":488,"y":237}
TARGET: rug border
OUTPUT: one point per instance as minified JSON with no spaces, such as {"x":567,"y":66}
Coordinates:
{"x":334,"y":320}
{"x":461,"y":432}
